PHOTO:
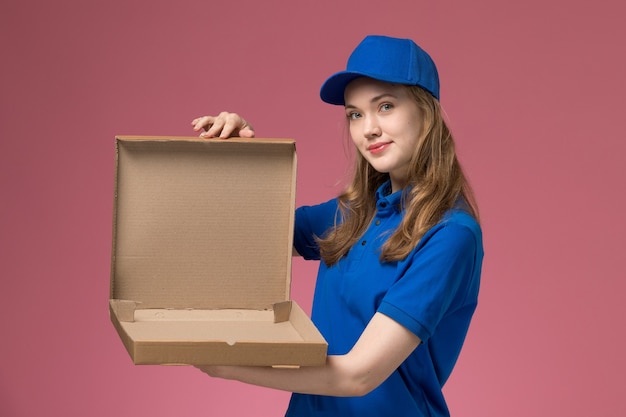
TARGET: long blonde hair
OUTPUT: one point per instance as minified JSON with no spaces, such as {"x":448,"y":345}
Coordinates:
{"x":435,"y":184}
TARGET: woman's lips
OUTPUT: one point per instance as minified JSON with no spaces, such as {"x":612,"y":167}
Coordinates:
{"x":378,"y":147}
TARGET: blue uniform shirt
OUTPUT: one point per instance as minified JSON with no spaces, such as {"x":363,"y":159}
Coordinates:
{"x":432,"y":292}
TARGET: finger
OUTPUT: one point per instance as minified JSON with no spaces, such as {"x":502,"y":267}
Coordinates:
{"x":230,"y":125}
{"x":196,"y":123}
{"x":246,"y":133}
{"x":215,"y":129}
{"x":208,"y":370}
{"x":203,"y":122}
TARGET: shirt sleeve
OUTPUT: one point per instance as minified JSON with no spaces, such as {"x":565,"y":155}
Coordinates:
{"x":441,"y":276}
{"x":313,"y":222}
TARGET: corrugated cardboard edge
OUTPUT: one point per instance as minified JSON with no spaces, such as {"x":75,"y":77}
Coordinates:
{"x":292,"y":225}
{"x":197,"y":139}
{"x":114,"y":224}
{"x":123,"y":310}
{"x":282,"y":311}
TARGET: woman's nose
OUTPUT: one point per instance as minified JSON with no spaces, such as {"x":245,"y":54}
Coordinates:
{"x":372,"y":128}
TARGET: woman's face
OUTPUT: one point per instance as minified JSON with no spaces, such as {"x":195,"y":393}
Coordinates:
{"x":385,"y":123}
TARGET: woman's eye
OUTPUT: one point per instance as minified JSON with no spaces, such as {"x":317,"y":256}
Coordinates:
{"x":353,"y":115}
{"x":386,"y":107}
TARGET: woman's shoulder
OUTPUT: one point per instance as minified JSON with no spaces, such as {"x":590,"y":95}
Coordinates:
{"x":460,"y":216}
{"x":458,"y":229}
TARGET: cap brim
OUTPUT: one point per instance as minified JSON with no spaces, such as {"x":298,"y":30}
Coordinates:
{"x":334,"y":87}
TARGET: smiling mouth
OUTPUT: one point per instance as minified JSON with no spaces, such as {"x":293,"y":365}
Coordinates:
{"x":378,"y":147}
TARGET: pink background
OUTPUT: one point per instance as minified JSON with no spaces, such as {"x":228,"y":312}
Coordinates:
{"x":535,"y":93}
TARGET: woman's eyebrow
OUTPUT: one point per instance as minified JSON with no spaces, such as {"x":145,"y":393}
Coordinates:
{"x":373,"y":100}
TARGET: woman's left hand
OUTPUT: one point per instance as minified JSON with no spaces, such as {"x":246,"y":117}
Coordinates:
{"x":224,"y":125}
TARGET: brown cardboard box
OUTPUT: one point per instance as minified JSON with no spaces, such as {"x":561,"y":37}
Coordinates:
{"x":201,"y":260}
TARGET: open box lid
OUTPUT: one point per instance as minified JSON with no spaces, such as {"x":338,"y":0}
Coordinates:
{"x":203,"y":224}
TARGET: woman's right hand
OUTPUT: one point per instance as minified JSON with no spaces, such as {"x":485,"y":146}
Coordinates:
{"x":224,"y":125}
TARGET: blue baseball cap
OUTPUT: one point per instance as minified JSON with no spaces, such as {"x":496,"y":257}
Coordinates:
{"x":394,"y":60}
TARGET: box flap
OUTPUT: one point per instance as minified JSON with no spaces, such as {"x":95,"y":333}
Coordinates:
{"x":204,"y":224}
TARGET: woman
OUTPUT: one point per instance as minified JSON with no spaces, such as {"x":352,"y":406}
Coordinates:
{"x":400,"y":248}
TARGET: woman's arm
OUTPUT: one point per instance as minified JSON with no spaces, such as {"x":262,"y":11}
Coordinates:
{"x":382,"y":347}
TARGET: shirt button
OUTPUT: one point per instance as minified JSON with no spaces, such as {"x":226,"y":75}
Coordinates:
{"x":363,"y":242}
{"x":383,"y":204}
{"x":377,"y":222}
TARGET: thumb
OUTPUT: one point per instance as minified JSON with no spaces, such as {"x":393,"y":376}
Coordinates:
{"x":246,"y":133}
